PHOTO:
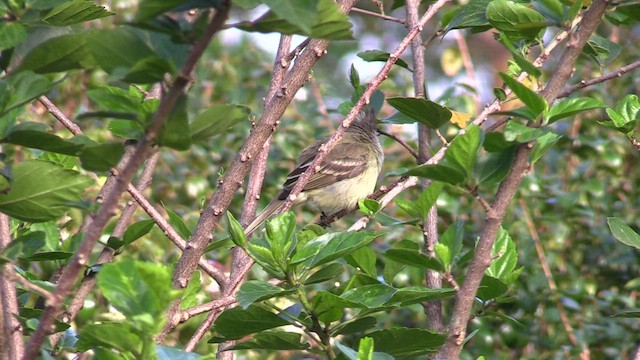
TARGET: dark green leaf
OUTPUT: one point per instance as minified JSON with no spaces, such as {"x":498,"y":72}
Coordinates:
{"x":329,"y":247}
{"x":237,"y":323}
{"x":41,"y":140}
{"x":61,"y":53}
{"x":623,"y":233}
{"x":630,"y":313}
{"x":355,"y":326}
{"x":74,"y":12}
{"x":175,"y":132}
{"x":217,"y":120}
{"x":235,"y":231}
{"x":148,"y":9}
{"x":119,"y":336}
{"x":515,"y":131}
{"x":273,"y":340}
{"x":571,"y":107}
{"x":603,"y":50}
{"x":330,"y":23}
{"x":380,"y":56}
{"x":491,"y":288}
{"x":364,"y":259}
{"x":497,"y":166}
{"x":417,"y":295}
{"x":471,"y":15}
{"x":422,"y":110}
{"x":517,"y":21}
{"x":178,"y":224}
{"x":22,"y":87}
{"x":371,"y":296}
{"x":25,"y":245}
{"x":42,"y":191}
{"x":543,"y":144}
{"x":49,"y":255}
{"x":439,"y":172}
{"x":413,"y":258}
{"x":137,"y":230}
{"x":253,"y":291}
{"x":102,"y":157}
{"x":534,"y":102}
{"x":427,"y":199}
{"x":137,"y":288}
{"x":325,"y":273}
{"x":301,"y":13}
{"x":407,"y":342}
{"x":12,"y":33}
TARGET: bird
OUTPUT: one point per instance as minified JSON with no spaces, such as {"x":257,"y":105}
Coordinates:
{"x":348,"y":174}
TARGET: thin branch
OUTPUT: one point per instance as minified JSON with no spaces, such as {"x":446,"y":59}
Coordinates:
{"x":608,"y":76}
{"x":106,"y":211}
{"x":400,"y":141}
{"x":11,"y":330}
{"x":468,"y":65}
{"x":507,"y":189}
{"x":378,"y":15}
{"x":547,"y":272}
{"x":58,"y":114}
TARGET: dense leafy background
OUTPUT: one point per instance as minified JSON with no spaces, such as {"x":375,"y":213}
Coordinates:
{"x":96,"y":64}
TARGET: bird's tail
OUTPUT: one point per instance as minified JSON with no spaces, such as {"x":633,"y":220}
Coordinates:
{"x":274,"y":206}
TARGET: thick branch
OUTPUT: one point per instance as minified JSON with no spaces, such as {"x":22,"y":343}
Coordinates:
{"x":482,"y":259}
{"x":93,"y":233}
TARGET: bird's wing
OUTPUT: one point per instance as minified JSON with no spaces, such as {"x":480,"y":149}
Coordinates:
{"x":345,"y":161}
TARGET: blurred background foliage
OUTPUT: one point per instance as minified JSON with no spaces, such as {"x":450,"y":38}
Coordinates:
{"x":589,"y":175}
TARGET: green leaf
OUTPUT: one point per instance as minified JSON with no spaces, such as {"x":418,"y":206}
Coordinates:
{"x":74,"y":12}
{"x":602,"y":50}
{"x":137,"y":230}
{"x":235,"y":231}
{"x":520,"y":60}
{"x":101,"y":157}
{"x":450,"y":245}
{"x":118,"y":336}
{"x":12,"y":33}
{"x":515,"y":131}
{"x":405,"y":342}
{"x":22,"y":87}
{"x":42,"y":191}
{"x":178,"y":224}
{"x":170,"y":353}
{"x":365,"y":349}
{"x":358,"y":325}
{"x":49,"y":256}
{"x":264,"y":256}
{"x":534,"y":102}
{"x":279,"y":235}
{"x":413,"y":258}
{"x":62,"y":53}
{"x":301,"y":13}
{"x":137,"y":288}
{"x":458,"y":160}
{"x":497,"y":166}
{"x":329,"y":247}
{"x":325,"y":273}
{"x":41,"y":140}
{"x":491,"y":288}
{"x":380,"y":56}
{"x":350,"y":354}
{"x":217,"y":120}
{"x":369,"y":207}
{"x":417,"y":295}
{"x":571,"y":107}
{"x":629,"y":313}
{"x":273,"y":340}
{"x":471,"y":15}
{"x":148,"y":9}
{"x":325,"y":301}
{"x":422,"y":110}
{"x":543,"y":144}
{"x":329,"y":23}
{"x":190,"y":295}
{"x":364,"y":259}
{"x":253,"y":291}
{"x":517,"y":21}
{"x":623,"y":233}
{"x":371,"y":296}
{"x":237,"y":323}
{"x":25,"y":245}
{"x":175,"y":131}
{"x":504,"y":256}
{"x":427,"y":199}
{"x":626,"y":114}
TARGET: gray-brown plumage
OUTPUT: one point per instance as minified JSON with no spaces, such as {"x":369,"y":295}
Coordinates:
{"x":348,"y":173}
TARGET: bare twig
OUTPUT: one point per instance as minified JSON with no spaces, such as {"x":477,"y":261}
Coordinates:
{"x":400,"y":141}
{"x":11,"y":329}
{"x":378,"y":15}
{"x":106,"y":211}
{"x":547,"y":272}
{"x":608,"y":76}
{"x":481,"y":259}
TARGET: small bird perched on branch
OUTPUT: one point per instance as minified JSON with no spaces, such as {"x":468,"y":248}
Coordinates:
{"x":348,"y":173}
